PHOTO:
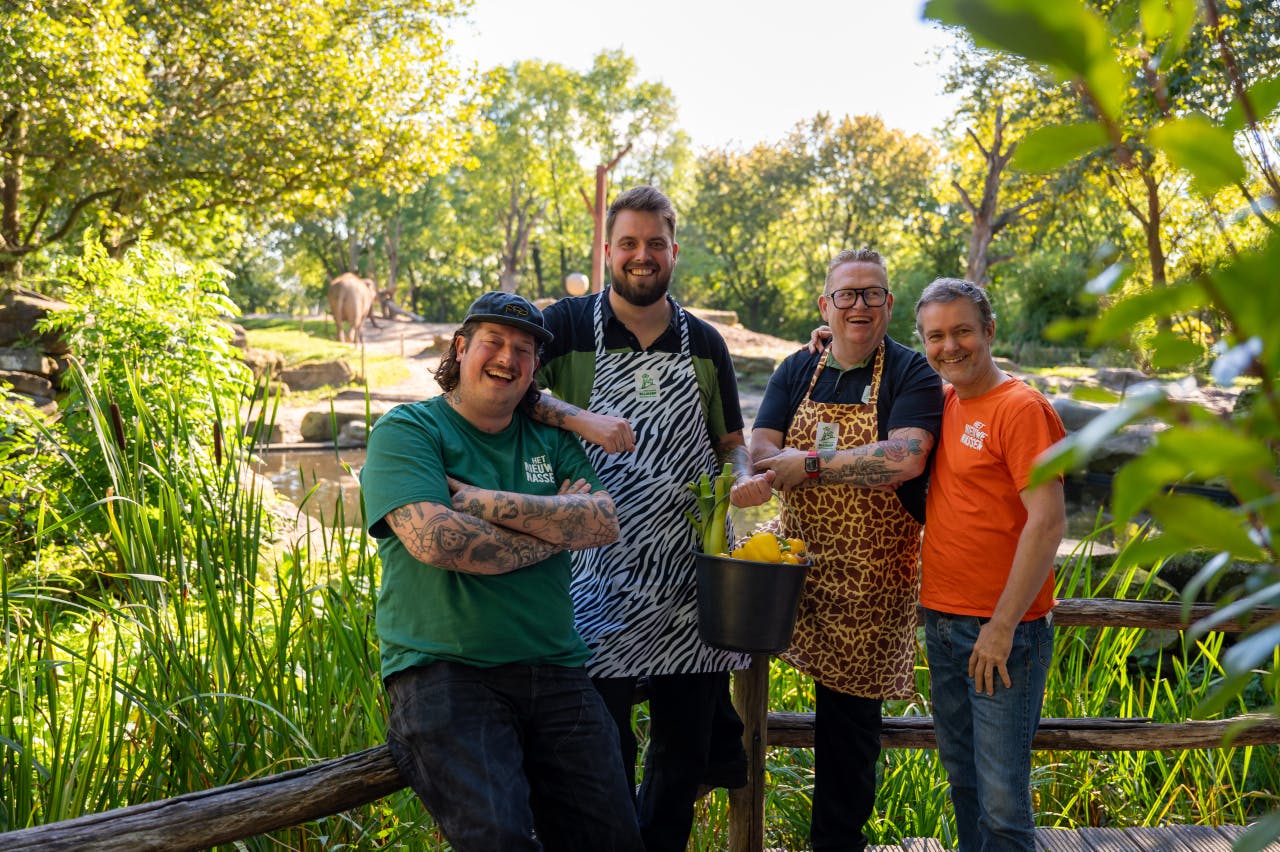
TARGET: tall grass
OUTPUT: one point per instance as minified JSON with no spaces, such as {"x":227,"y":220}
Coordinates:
{"x":219,"y":638}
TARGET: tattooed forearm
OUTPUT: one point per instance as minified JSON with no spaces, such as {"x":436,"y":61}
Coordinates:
{"x":460,"y":542}
{"x":554,"y":412}
{"x":570,"y":521}
{"x":887,"y":462}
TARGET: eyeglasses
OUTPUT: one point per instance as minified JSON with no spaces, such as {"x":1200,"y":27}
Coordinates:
{"x":872,"y":297}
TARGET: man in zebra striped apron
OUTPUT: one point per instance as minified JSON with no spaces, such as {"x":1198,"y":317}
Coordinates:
{"x":651,"y":391}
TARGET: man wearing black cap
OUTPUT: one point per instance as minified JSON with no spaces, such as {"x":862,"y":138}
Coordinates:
{"x":493,"y":721}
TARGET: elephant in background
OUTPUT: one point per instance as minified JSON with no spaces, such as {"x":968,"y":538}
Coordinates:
{"x":351,"y":301}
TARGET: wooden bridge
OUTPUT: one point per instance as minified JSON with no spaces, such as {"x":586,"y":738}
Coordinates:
{"x":206,"y":818}
{"x":1180,"y":838}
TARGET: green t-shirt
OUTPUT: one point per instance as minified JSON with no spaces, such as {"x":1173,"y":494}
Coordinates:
{"x":426,"y":613}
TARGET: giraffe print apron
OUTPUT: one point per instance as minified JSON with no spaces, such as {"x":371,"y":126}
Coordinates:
{"x":635,"y":601}
{"x":856,"y":625}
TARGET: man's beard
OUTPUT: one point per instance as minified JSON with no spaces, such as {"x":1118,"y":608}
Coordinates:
{"x":643,"y":293}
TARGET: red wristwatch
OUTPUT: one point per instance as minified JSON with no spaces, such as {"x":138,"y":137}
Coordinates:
{"x":811,"y":467}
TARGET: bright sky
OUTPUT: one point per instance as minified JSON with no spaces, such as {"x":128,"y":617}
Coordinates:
{"x":743,"y":71}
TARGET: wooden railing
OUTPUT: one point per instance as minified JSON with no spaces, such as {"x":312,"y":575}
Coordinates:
{"x":199,"y":820}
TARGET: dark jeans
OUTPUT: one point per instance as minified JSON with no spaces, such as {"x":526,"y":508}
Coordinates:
{"x":846,"y":745}
{"x":682,"y":711}
{"x":511,"y":758}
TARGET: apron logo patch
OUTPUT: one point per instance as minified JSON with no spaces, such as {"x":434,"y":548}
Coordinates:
{"x":538,"y":469}
{"x":647,"y":386}
{"x":828,"y":437}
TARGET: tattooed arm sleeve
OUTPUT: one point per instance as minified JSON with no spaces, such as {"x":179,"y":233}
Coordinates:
{"x":457,"y":541}
{"x":568,"y":521}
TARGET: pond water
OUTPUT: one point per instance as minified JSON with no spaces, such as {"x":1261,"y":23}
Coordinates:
{"x":317,"y":480}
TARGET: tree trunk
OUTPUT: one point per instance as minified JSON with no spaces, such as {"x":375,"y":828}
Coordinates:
{"x":13,"y":133}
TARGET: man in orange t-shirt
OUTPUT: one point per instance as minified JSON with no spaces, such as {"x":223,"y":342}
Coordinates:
{"x":987,"y":581}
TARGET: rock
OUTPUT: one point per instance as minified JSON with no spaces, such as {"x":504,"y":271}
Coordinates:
{"x":319,"y":425}
{"x":1120,"y":378}
{"x":317,"y":375}
{"x":753,"y":370}
{"x":353,"y":434}
{"x":264,"y":434}
{"x":1008,"y":366}
{"x":239,"y":338}
{"x":28,"y":361}
{"x":1075,"y":415}
{"x":1099,"y":555}
{"x":263,"y":362}
{"x":20,"y":310}
{"x":27,"y":383}
{"x":713,"y":315}
{"x":1123,"y":447}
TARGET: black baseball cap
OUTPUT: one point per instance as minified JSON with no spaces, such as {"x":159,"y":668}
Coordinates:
{"x":510,"y":309}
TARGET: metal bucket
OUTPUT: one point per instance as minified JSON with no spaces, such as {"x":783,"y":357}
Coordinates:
{"x":745,"y":605}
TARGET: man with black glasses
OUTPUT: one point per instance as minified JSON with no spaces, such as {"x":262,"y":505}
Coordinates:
{"x":845,"y":433}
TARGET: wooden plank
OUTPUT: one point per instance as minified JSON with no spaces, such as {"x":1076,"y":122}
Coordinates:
{"x":1231,"y":832}
{"x":1174,"y":838}
{"x":1107,"y":840}
{"x":922,"y":844}
{"x":795,"y":730}
{"x":1060,"y":840}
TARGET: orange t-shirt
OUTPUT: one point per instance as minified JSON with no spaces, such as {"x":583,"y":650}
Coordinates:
{"x":986,"y":450}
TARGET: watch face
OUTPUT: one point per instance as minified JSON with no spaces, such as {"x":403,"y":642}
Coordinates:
{"x":811,"y":464}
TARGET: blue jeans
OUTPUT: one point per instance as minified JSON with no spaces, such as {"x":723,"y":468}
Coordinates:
{"x":984,"y":742}
{"x":511,"y":758}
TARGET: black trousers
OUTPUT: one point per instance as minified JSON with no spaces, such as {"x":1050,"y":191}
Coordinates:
{"x":846,"y":740}
{"x":686,"y":711}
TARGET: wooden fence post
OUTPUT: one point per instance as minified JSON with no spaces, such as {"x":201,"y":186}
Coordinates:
{"x":746,"y":804}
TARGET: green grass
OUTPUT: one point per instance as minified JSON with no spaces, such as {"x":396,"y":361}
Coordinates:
{"x":314,"y":342}
{"x":208,"y":648}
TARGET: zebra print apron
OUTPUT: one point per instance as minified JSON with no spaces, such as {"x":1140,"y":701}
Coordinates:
{"x":635,"y":601}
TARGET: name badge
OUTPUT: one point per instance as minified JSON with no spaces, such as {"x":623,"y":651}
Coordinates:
{"x":828,"y":437}
{"x":647,"y":389}
{"x":866,"y":394}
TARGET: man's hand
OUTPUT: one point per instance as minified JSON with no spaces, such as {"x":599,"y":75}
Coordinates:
{"x":579,"y":487}
{"x":611,"y":434}
{"x":818,"y":339}
{"x":752,"y":490}
{"x":787,"y":467}
{"x":990,"y":655}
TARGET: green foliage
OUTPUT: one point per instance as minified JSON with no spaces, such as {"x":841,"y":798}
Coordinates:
{"x":146,"y":328}
{"x":188,"y":119}
{"x":1238,"y":289}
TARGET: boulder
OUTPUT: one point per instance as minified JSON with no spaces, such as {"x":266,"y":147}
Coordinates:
{"x":1120,"y":379}
{"x":27,"y":383}
{"x":753,"y":370}
{"x":28,"y":361}
{"x":1123,"y":447}
{"x":319,"y":424}
{"x":320,"y":374}
{"x":1075,"y":415}
{"x":263,"y":362}
{"x":20,"y":310}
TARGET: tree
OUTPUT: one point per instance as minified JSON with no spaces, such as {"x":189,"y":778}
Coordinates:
{"x":133,"y":115}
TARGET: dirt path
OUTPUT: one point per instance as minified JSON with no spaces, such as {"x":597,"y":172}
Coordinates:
{"x":420,"y":343}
